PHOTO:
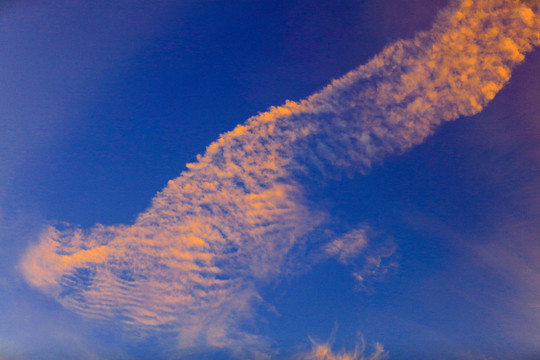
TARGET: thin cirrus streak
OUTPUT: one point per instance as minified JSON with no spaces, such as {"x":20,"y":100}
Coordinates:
{"x":190,"y":263}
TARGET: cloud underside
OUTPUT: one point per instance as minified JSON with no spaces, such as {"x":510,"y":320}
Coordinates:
{"x":191,"y":262}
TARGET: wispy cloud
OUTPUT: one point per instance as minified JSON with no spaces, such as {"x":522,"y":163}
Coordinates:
{"x":191,"y":262}
{"x":349,"y":246}
{"x":512,"y":253}
{"x":324,"y":351}
{"x":368,"y":261}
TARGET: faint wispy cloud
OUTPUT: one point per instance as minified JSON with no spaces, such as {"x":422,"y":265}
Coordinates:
{"x":349,"y":246}
{"x":190,"y":263}
{"x":368,"y":262}
{"x":511,"y":252}
{"x":324,"y":351}
{"x":473,"y":356}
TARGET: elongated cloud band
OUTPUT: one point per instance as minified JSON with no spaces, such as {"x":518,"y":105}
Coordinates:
{"x":190,"y":263}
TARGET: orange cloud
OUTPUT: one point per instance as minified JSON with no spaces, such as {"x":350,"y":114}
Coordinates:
{"x":189,"y":263}
{"x":323,"y":351}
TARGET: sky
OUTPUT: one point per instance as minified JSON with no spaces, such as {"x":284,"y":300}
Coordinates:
{"x":301,"y":179}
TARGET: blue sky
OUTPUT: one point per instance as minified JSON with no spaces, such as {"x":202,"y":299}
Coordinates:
{"x":293,"y":234}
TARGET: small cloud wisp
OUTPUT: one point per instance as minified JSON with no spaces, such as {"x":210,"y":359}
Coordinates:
{"x":323,"y":351}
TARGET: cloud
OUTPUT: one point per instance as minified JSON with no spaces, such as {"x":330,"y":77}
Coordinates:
{"x":323,"y":351}
{"x":368,"y":262}
{"x":192,"y":261}
{"x":473,"y":356}
{"x":376,"y":265}
{"x":348,"y":246}
{"x":510,"y":251}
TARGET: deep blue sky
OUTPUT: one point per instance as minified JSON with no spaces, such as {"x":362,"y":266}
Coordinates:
{"x":104,"y":103}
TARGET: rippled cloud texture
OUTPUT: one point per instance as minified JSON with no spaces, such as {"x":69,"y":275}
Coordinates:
{"x":191,"y":262}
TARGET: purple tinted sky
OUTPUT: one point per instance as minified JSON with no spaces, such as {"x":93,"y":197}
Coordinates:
{"x":104,"y":103}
